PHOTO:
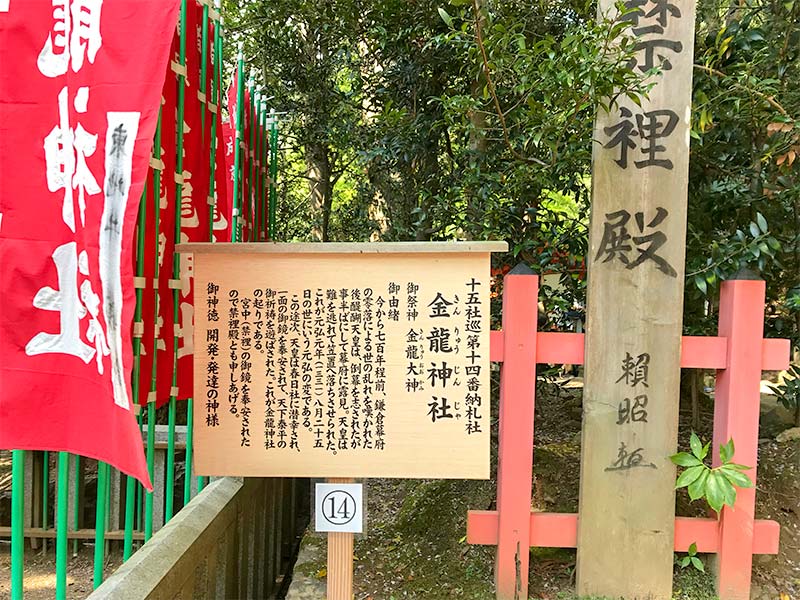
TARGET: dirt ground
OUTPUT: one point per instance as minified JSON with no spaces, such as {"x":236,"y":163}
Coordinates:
{"x":414,"y":545}
{"x":40,"y":574}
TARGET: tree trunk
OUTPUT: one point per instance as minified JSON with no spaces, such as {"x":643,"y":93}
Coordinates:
{"x":320,"y":188}
{"x":427,"y":179}
{"x":696,"y":381}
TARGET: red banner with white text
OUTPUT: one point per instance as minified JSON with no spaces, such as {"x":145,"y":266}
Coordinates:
{"x":79,"y":106}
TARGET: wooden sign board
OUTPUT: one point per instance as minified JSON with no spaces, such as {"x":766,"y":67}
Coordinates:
{"x":342,"y":360}
{"x":634,"y":317}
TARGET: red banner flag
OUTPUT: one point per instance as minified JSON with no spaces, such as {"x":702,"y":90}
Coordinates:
{"x":157,"y":348}
{"x":165,"y":328}
{"x":223,"y":175}
{"x":77,"y":117}
{"x":229,"y":140}
{"x":195,"y":209}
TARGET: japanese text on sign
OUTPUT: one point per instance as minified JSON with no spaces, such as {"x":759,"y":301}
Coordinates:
{"x":382,"y":368}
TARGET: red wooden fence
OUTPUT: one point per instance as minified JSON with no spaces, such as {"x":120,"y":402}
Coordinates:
{"x":739,"y":353}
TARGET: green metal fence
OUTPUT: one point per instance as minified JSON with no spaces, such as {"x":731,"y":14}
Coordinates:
{"x":117,"y":495}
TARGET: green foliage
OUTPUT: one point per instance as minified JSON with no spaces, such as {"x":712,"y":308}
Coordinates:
{"x":691,"y":559}
{"x":691,"y":584}
{"x":469,"y":119}
{"x":788,"y":392}
{"x":753,"y":245}
{"x":744,"y":189}
{"x":718,"y":485}
{"x":309,"y":60}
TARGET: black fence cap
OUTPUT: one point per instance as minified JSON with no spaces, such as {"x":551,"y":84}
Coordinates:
{"x":746,"y":274}
{"x":521,"y":269}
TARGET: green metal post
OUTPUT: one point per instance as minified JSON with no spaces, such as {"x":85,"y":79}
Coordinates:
{"x":216,"y":99}
{"x":151,"y":407}
{"x":45,"y":493}
{"x":237,"y":149}
{"x":130,"y":482}
{"x":176,"y":273}
{"x":100,"y":523}
{"x":273,"y":174}
{"x":204,"y":68}
{"x":139,"y":486}
{"x":258,"y":166}
{"x":76,"y":509}
{"x":151,"y":435}
{"x":255,"y":167}
{"x":169,"y":501}
{"x":265,"y":169}
{"x":17,"y":522}
{"x":107,"y":547}
{"x":248,"y":191}
{"x":130,"y":506}
{"x":61,"y":525}
{"x":187,"y":477}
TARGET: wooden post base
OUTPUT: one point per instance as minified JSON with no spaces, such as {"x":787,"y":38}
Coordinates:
{"x":340,"y":560}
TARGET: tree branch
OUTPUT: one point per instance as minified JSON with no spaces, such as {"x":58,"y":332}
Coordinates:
{"x":493,"y":91}
{"x":769,"y":99}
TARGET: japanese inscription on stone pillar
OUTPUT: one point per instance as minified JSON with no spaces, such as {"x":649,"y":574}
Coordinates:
{"x":634,"y":319}
{"x":359,"y":363}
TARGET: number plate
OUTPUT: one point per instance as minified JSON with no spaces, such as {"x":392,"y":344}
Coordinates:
{"x":339,"y":507}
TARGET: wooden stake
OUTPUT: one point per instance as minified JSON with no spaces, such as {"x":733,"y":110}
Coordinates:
{"x":340,"y":560}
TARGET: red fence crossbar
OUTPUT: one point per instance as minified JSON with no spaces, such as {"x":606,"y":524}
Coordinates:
{"x":739,"y":353}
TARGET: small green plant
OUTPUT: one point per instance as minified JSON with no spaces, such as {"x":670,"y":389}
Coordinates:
{"x":717,"y":485}
{"x":691,"y":559}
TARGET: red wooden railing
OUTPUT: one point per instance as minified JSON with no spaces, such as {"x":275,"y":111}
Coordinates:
{"x":739,"y":353}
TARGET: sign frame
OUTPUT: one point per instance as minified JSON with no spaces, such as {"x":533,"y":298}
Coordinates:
{"x":274,"y":266}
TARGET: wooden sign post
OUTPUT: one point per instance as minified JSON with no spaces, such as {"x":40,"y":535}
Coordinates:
{"x":342,"y":361}
{"x":340,"y":561}
{"x":634,"y":319}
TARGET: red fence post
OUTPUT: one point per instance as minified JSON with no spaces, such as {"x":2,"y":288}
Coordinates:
{"x":736,"y":412}
{"x":515,"y":454}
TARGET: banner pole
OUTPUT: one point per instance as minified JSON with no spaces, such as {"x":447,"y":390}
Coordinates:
{"x":255,"y":100}
{"x":61,"y":525}
{"x":217,"y":101}
{"x":151,"y":407}
{"x":176,"y":272}
{"x":100,"y":522}
{"x":76,"y":509}
{"x":204,"y":68}
{"x":187,"y":476}
{"x":17,"y":522}
{"x":139,"y":525}
{"x":264,"y":174}
{"x":273,"y":174}
{"x":237,"y":148}
{"x":247,"y":217}
{"x":259,"y":152}
{"x":216,"y":56}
